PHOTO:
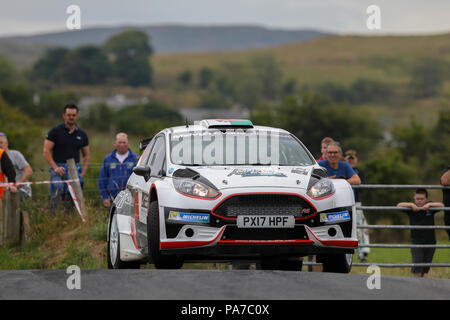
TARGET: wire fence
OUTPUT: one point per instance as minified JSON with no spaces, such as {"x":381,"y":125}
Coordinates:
{"x":401,"y":227}
{"x":92,"y":191}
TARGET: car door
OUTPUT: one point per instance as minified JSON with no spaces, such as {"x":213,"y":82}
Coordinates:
{"x":156,"y":162}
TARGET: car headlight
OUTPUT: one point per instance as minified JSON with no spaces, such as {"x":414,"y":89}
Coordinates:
{"x":194,"y":188}
{"x":321,"y":189}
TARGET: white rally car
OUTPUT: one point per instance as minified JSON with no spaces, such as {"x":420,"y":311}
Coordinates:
{"x":225,"y":190}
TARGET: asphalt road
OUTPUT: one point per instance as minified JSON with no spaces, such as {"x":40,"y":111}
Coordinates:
{"x":212,"y":285}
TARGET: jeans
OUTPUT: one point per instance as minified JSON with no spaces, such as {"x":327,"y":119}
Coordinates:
{"x":59,"y":192}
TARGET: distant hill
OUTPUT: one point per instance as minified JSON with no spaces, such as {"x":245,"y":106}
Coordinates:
{"x":169,"y":38}
{"x":338,"y":59}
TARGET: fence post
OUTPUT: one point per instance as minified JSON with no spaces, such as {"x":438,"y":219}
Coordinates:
{"x":10,"y":219}
{"x":73,"y":175}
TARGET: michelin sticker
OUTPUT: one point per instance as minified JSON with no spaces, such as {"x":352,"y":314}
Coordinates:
{"x":188,"y":217}
{"x":335,"y":216}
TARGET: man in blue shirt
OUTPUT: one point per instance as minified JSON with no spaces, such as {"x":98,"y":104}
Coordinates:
{"x":62,"y":143}
{"x":117,"y":168}
{"x":337,"y":169}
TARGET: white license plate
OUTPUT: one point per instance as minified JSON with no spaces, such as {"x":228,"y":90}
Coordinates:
{"x":265,"y":221}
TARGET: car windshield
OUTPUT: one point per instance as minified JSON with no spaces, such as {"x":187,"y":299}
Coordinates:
{"x":237,"y":147}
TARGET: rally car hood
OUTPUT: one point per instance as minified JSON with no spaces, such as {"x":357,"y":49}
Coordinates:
{"x":256,"y":176}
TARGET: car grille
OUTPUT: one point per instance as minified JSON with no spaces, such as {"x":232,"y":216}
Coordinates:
{"x":265,"y":204}
{"x":234,"y":233}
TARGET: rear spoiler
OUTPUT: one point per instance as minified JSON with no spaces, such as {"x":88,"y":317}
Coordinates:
{"x":144,"y":143}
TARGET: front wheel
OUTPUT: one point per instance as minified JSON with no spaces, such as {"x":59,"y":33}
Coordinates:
{"x":113,"y":252}
{"x":337,"y":263}
{"x":155,"y":256}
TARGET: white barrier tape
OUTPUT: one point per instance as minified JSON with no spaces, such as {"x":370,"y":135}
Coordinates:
{"x":75,"y":200}
{"x":6,"y":184}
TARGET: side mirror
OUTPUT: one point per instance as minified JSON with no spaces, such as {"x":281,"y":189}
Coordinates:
{"x":143,"y":171}
{"x":321,"y":172}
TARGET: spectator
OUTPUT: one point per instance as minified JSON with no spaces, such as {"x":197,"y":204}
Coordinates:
{"x":6,"y":171}
{"x":351,"y":157}
{"x":421,"y":216}
{"x":323,"y":147}
{"x":445,"y":181}
{"x":117,"y":168}
{"x":62,"y":143}
{"x":21,"y":166}
{"x":336,"y":168}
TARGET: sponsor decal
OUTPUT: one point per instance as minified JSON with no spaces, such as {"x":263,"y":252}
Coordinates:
{"x":256,"y":173}
{"x":188,"y":217}
{"x":335,"y":216}
{"x":145,"y":199}
{"x":300,"y":171}
{"x":171,"y":170}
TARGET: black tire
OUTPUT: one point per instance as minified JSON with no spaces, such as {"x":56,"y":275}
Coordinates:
{"x":283,"y":264}
{"x":154,"y":253}
{"x":336,"y":263}
{"x":114,"y":261}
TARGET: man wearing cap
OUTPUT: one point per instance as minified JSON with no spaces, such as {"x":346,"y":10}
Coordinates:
{"x":21,"y":166}
{"x":117,"y":168}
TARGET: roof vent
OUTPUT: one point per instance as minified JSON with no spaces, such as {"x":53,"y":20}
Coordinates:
{"x":226,"y":123}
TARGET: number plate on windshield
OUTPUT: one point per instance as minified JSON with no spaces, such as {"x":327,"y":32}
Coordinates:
{"x":265,"y":221}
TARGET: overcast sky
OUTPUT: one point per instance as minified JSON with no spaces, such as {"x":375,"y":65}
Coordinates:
{"x":345,"y":16}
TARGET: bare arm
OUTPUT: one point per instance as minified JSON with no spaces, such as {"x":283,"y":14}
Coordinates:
{"x":354,"y":179}
{"x":433,"y":204}
{"x":48,"y":147}
{"x":86,"y":157}
{"x":445,"y":179}
{"x":408,"y":205}
{"x":27,"y":172}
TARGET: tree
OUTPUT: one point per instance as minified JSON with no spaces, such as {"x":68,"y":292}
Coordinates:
{"x":48,"y":67}
{"x":85,"y":65}
{"x":310,"y":117}
{"x":385,"y":166}
{"x":129,"y":54}
{"x":22,"y":133}
{"x":413,"y":141}
{"x":205,"y":76}
{"x":185,"y":78}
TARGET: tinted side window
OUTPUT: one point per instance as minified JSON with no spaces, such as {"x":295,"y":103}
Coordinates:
{"x":145,"y":155}
{"x":157,"y":156}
